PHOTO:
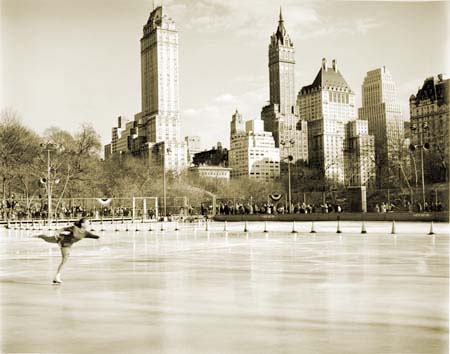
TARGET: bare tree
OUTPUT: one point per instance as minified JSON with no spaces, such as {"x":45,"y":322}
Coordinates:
{"x":18,"y":151}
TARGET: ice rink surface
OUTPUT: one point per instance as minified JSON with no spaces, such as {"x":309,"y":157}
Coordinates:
{"x":198,"y":291}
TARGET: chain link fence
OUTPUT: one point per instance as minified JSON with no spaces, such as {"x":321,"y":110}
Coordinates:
{"x":147,"y":208}
{"x":14,"y":208}
{"x":377,"y":200}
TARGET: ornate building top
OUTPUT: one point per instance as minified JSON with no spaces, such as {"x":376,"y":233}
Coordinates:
{"x":327,"y":77}
{"x":158,"y":19}
{"x":280,"y":37}
{"x":433,"y":89}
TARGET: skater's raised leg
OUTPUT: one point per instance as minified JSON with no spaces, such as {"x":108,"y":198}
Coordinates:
{"x":65,"y":253}
{"x":49,"y":239}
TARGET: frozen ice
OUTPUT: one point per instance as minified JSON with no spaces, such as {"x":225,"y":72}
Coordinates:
{"x":197,"y":291}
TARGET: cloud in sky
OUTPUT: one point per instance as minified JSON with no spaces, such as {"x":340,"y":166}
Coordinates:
{"x":248,"y":19}
{"x":212,"y":120}
{"x":353,"y":27}
{"x":240,"y":18}
{"x":225,"y":98}
{"x":63,"y":63}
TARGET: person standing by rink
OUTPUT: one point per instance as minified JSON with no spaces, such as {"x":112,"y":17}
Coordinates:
{"x":65,"y":238}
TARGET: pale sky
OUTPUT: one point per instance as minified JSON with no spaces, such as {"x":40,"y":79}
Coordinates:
{"x":65,"y":62}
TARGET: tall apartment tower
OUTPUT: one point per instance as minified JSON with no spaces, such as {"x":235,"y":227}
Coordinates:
{"x":281,"y":115}
{"x":159,"y":122}
{"x":155,"y":133}
{"x":328,"y":104}
{"x":159,"y":75}
{"x":252,"y":151}
{"x":383,"y":113}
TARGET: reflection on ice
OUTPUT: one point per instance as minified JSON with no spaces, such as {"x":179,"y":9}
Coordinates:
{"x":223,"y":290}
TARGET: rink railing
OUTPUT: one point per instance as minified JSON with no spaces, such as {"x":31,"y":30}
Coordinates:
{"x":213,"y":226}
{"x":345,"y":216}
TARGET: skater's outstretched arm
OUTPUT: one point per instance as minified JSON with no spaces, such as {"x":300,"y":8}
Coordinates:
{"x":91,"y":235}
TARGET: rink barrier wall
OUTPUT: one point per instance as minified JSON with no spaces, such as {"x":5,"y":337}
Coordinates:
{"x":419,"y":217}
{"x":436,"y":217}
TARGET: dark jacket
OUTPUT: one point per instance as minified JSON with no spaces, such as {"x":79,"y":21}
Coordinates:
{"x":73,"y":234}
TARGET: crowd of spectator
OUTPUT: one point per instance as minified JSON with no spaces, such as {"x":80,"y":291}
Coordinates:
{"x":271,"y":208}
{"x":13,"y":209}
{"x":386,"y":207}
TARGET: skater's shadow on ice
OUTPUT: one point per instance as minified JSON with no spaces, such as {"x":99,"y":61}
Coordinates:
{"x":24,"y":282}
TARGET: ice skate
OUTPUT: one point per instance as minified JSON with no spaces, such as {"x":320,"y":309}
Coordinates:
{"x":57,"y":279}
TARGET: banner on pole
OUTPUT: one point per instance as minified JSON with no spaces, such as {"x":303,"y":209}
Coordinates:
{"x":104,"y":201}
{"x":275,"y":197}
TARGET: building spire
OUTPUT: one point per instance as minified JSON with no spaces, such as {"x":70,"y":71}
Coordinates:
{"x":281,"y":31}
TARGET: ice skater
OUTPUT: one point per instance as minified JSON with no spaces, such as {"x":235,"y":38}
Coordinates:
{"x":65,"y":238}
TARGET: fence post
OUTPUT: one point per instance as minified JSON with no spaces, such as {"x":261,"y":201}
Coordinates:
{"x":144,"y":208}
{"x":133,"y":211}
{"x":214,"y":205}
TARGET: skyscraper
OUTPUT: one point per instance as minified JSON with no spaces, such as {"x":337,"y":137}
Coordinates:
{"x":156,"y":130}
{"x":382,"y":110}
{"x":328,"y":104}
{"x":159,"y":120}
{"x":159,"y":77}
{"x":281,"y":115}
{"x":281,"y":69}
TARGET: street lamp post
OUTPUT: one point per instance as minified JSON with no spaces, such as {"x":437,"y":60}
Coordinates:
{"x":49,"y":180}
{"x":168,"y":151}
{"x":422,"y":146}
{"x":289,"y":160}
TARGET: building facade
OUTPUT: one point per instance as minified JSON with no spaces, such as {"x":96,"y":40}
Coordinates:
{"x":217,"y":156}
{"x":107,"y":152}
{"x":281,"y":115}
{"x":386,"y":123}
{"x":237,"y":124}
{"x":123,"y":135}
{"x":192,"y":146}
{"x":429,"y":115}
{"x":359,"y":154}
{"x":253,"y":153}
{"x":155,"y":132}
{"x":218,"y":173}
{"x":328,"y":104}
{"x":160,"y":77}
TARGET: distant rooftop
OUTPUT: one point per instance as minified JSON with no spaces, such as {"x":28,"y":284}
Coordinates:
{"x":327,"y":77}
{"x":433,"y":89}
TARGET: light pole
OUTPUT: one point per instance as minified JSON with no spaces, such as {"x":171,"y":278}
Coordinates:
{"x":168,"y":151}
{"x":289,"y":160}
{"x":422,"y":146}
{"x":49,"y":180}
